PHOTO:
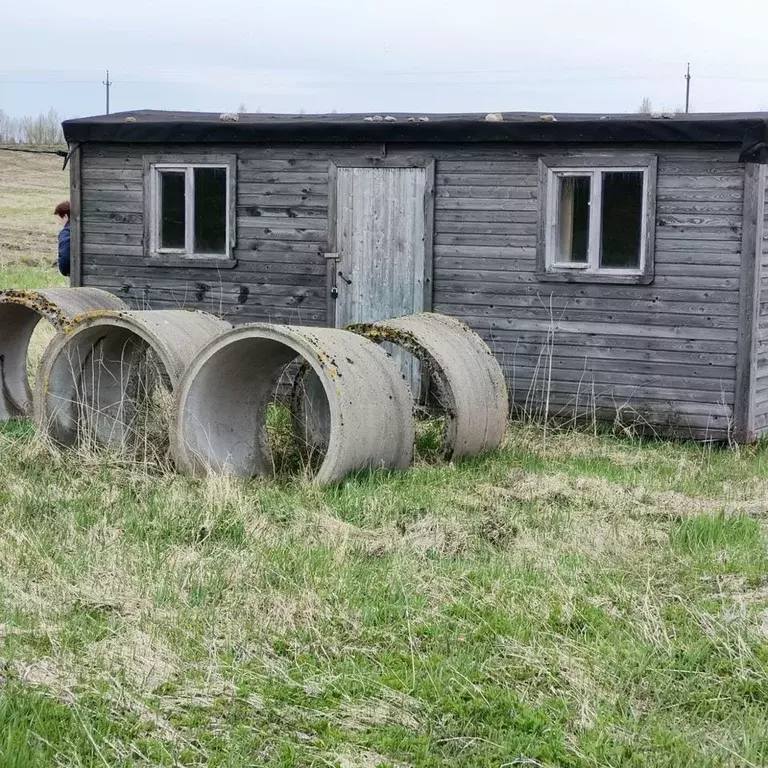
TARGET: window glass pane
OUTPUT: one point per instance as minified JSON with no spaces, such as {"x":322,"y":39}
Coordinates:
{"x":172,"y":209}
{"x":210,"y":210}
{"x":622,"y":222}
{"x":573,"y":219}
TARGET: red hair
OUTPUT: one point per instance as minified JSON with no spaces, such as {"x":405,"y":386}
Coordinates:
{"x":62,"y":209}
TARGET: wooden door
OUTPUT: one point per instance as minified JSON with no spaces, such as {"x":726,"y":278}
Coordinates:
{"x":383,"y":245}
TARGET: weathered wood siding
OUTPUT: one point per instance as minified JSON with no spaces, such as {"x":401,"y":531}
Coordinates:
{"x":663,"y":353}
{"x":761,"y":387}
{"x":282,"y":233}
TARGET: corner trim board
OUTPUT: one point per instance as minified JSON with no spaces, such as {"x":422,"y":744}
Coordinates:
{"x":330,"y":268}
{"x":76,"y":218}
{"x":429,"y":234}
{"x":749,"y":302}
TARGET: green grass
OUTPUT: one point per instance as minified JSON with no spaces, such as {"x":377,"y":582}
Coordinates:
{"x":26,"y":277}
{"x":574,"y":601}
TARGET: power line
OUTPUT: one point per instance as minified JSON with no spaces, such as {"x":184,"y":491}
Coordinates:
{"x":379,"y":79}
{"x":664,"y":67}
{"x":436,"y":77}
{"x":45,"y":82}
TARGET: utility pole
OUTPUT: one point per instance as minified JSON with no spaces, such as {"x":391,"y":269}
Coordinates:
{"x":107,"y":83}
{"x":687,"y":88}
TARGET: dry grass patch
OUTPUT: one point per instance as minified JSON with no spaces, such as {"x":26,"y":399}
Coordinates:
{"x":532,"y":605}
{"x":135,"y":656}
{"x":30,"y":188}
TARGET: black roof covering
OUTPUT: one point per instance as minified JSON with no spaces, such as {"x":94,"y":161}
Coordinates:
{"x":748,"y":130}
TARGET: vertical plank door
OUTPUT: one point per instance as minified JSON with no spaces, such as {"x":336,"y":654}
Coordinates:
{"x":383,"y":242}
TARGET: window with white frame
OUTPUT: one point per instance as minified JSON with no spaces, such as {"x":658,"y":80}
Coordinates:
{"x":598,"y":216}
{"x":190,"y":209}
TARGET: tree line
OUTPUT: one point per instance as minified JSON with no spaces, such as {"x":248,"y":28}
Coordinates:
{"x":44,"y":129}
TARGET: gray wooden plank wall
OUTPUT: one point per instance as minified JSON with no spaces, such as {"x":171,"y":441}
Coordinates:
{"x":663,"y":353}
{"x":761,"y":386}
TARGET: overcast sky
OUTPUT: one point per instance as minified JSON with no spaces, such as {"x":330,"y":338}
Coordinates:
{"x":384,"y":56}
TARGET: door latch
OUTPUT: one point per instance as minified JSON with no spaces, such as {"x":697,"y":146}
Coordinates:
{"x":345,"y":279}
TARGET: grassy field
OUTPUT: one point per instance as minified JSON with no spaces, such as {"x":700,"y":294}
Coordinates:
{"x":30,"y":187}
{"x":571,"y":600}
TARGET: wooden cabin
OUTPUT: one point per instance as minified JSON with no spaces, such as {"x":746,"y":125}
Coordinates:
{"x":617,"y":264}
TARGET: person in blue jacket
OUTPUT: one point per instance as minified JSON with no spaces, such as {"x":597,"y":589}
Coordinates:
{"x":62,"y":211}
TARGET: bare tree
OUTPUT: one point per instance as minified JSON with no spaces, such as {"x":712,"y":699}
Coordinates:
{"x":8,"y":129}
{"x":646,"y":107}
{"x":43,"y":129}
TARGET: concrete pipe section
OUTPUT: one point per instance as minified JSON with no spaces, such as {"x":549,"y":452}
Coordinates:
{"x":20,"y":313}
{"x":102,"y":379}
{"x":362,"y":400}
{"x":466,"y":379}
